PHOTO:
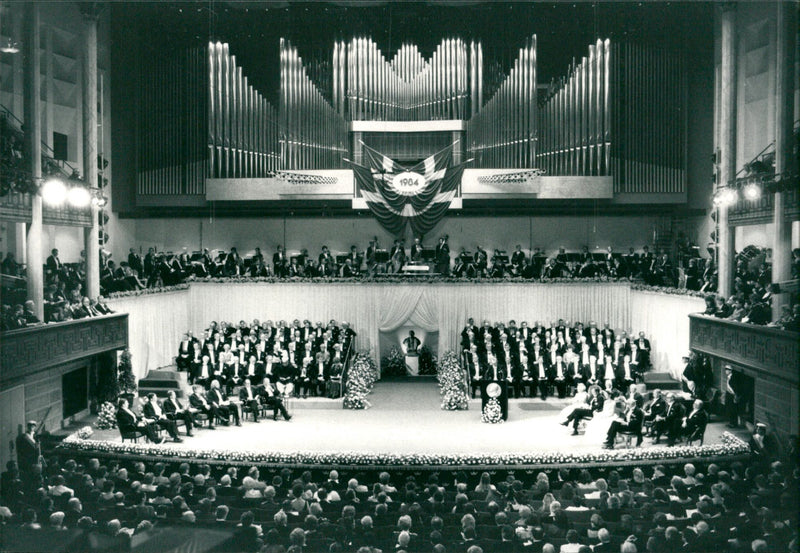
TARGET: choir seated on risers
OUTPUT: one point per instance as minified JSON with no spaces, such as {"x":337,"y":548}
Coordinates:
{"x":298,"y":359}
{"x":538,"y":360}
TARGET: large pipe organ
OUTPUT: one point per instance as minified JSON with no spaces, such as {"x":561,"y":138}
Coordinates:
{"x":620,"y":112}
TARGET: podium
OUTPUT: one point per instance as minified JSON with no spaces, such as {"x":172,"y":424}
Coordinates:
{"x":502,"y":398}
{"x":412,"y":364}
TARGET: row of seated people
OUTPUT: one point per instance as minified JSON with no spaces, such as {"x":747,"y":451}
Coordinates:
{"x":170,"y":268}
{"x":21,"y":316}
{"x":213,"y":405}
{"x":716,"y":506}
{"x":309,"y":358}
{"x":560,"y":356}
{"x":652,"y":415}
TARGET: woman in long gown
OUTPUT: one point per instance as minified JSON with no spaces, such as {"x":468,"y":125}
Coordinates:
{"x":597,"y":427}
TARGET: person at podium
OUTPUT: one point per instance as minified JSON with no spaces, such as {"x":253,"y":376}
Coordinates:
{"x":411,"y":347}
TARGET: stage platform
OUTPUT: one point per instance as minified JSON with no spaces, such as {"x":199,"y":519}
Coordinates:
{"x":405,"y":426}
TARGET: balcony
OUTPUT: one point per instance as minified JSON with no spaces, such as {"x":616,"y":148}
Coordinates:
{"x":30,"y":350}
{"x":770,"y":356}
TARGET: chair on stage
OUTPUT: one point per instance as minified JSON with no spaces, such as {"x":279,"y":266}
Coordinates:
{"x":131,"y":433}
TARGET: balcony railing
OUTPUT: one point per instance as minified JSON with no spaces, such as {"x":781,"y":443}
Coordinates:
{"x":33,"y":349}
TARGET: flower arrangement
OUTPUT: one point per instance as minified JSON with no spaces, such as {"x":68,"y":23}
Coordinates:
{"x":360,"y":380}
{"x":126,"y":379}
{"x":492,"y":412}
{"x":393,"y":364}
{"x":107,"y":418}
{"x":147,"y":291}
{"x":730,"y":446}
{"x":451,"y":383}
{"x":85,"y":433}
{"x":669,"y":290}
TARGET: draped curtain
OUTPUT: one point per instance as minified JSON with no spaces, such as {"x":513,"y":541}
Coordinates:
{"x":158,"y":321}
{"x":665,"y":321}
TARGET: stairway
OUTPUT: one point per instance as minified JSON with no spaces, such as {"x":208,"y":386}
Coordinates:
{"x":661,"y":381}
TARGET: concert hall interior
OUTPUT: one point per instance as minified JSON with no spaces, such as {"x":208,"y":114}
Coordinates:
{"x":450,"y":276}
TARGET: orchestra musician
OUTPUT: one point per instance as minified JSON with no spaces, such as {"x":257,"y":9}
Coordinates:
{"x":517,"y":261}
{"x":480,"y":260}
{"x":279,"y":261}
{"x":442,"y":256}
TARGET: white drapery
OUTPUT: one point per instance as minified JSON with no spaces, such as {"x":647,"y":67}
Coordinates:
{"x":158,"y":321}
{"x":664,"y":318}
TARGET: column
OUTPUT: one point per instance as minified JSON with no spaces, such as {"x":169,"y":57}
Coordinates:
{"x":20,"y":242}
{"x":32,"y":87}
{"x":727,"y":143}
{"x":89,"y":108}
{"x":784,"y":109}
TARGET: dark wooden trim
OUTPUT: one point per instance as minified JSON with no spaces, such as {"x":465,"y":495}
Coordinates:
{"x":30,"y":350}
{"x":766,"y":350}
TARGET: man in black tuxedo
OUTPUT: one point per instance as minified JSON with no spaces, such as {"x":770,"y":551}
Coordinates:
{"x":153,"y":414}
{"x":517,"y":261}
{"x":128,"y":419}
{"x":198,"y":401}
{"x":135,"y":262}
{"x":631,"y":425}
{"x":672,"y":421}
{"x":656,"y":408}
{"x":174,"y":410}
{"x":249,"y":397}
{"x":217,"y":398}
{"x":279,"y":262}
{"x":27,"y":450}
{"x":54,"y":266}
{"x":270,"y":398}
{"x":696,"y":421}
{"x":442,"y":256}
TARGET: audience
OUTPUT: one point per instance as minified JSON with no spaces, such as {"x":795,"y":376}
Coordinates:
{"x":721,"y":506}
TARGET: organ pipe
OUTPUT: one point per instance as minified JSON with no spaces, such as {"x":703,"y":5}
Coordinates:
{"x":502,"y":132}
{"x":619,"y":112}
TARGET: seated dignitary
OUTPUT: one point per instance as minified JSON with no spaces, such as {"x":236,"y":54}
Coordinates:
{"x":174,"y":410}
{"x":248,"y":397}
{"x":199,"y":401}
{"x":217,"y":398}
{"x":155,"y":415}
{"x":127,"y":419}
{"x":271,"y":399}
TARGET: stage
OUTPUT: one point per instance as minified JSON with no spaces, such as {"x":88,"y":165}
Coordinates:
{"x":405,"y":426}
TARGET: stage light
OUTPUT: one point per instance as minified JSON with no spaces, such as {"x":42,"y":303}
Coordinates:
{"x":78,"y":197}
{"x":729,"y":196}
{"x":752,"y":191}
{"x":54,"y":191}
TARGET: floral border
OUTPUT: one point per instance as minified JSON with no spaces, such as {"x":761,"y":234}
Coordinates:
{"x":148,"y":291}
{"x":730,"y":446}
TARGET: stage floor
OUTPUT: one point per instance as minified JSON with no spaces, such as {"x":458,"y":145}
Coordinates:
{"x":405,"y":419}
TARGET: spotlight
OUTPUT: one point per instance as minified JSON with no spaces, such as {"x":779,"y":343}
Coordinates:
{"x":54,"y":192}
{"x":729,"y":196}
{"x":99,"y":201}
{"x":752,"y":191}
{"x":78,"y":197}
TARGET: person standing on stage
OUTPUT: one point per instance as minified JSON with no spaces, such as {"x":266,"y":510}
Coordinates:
{"x":27,"y":450}
{"x":442,"y":256}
